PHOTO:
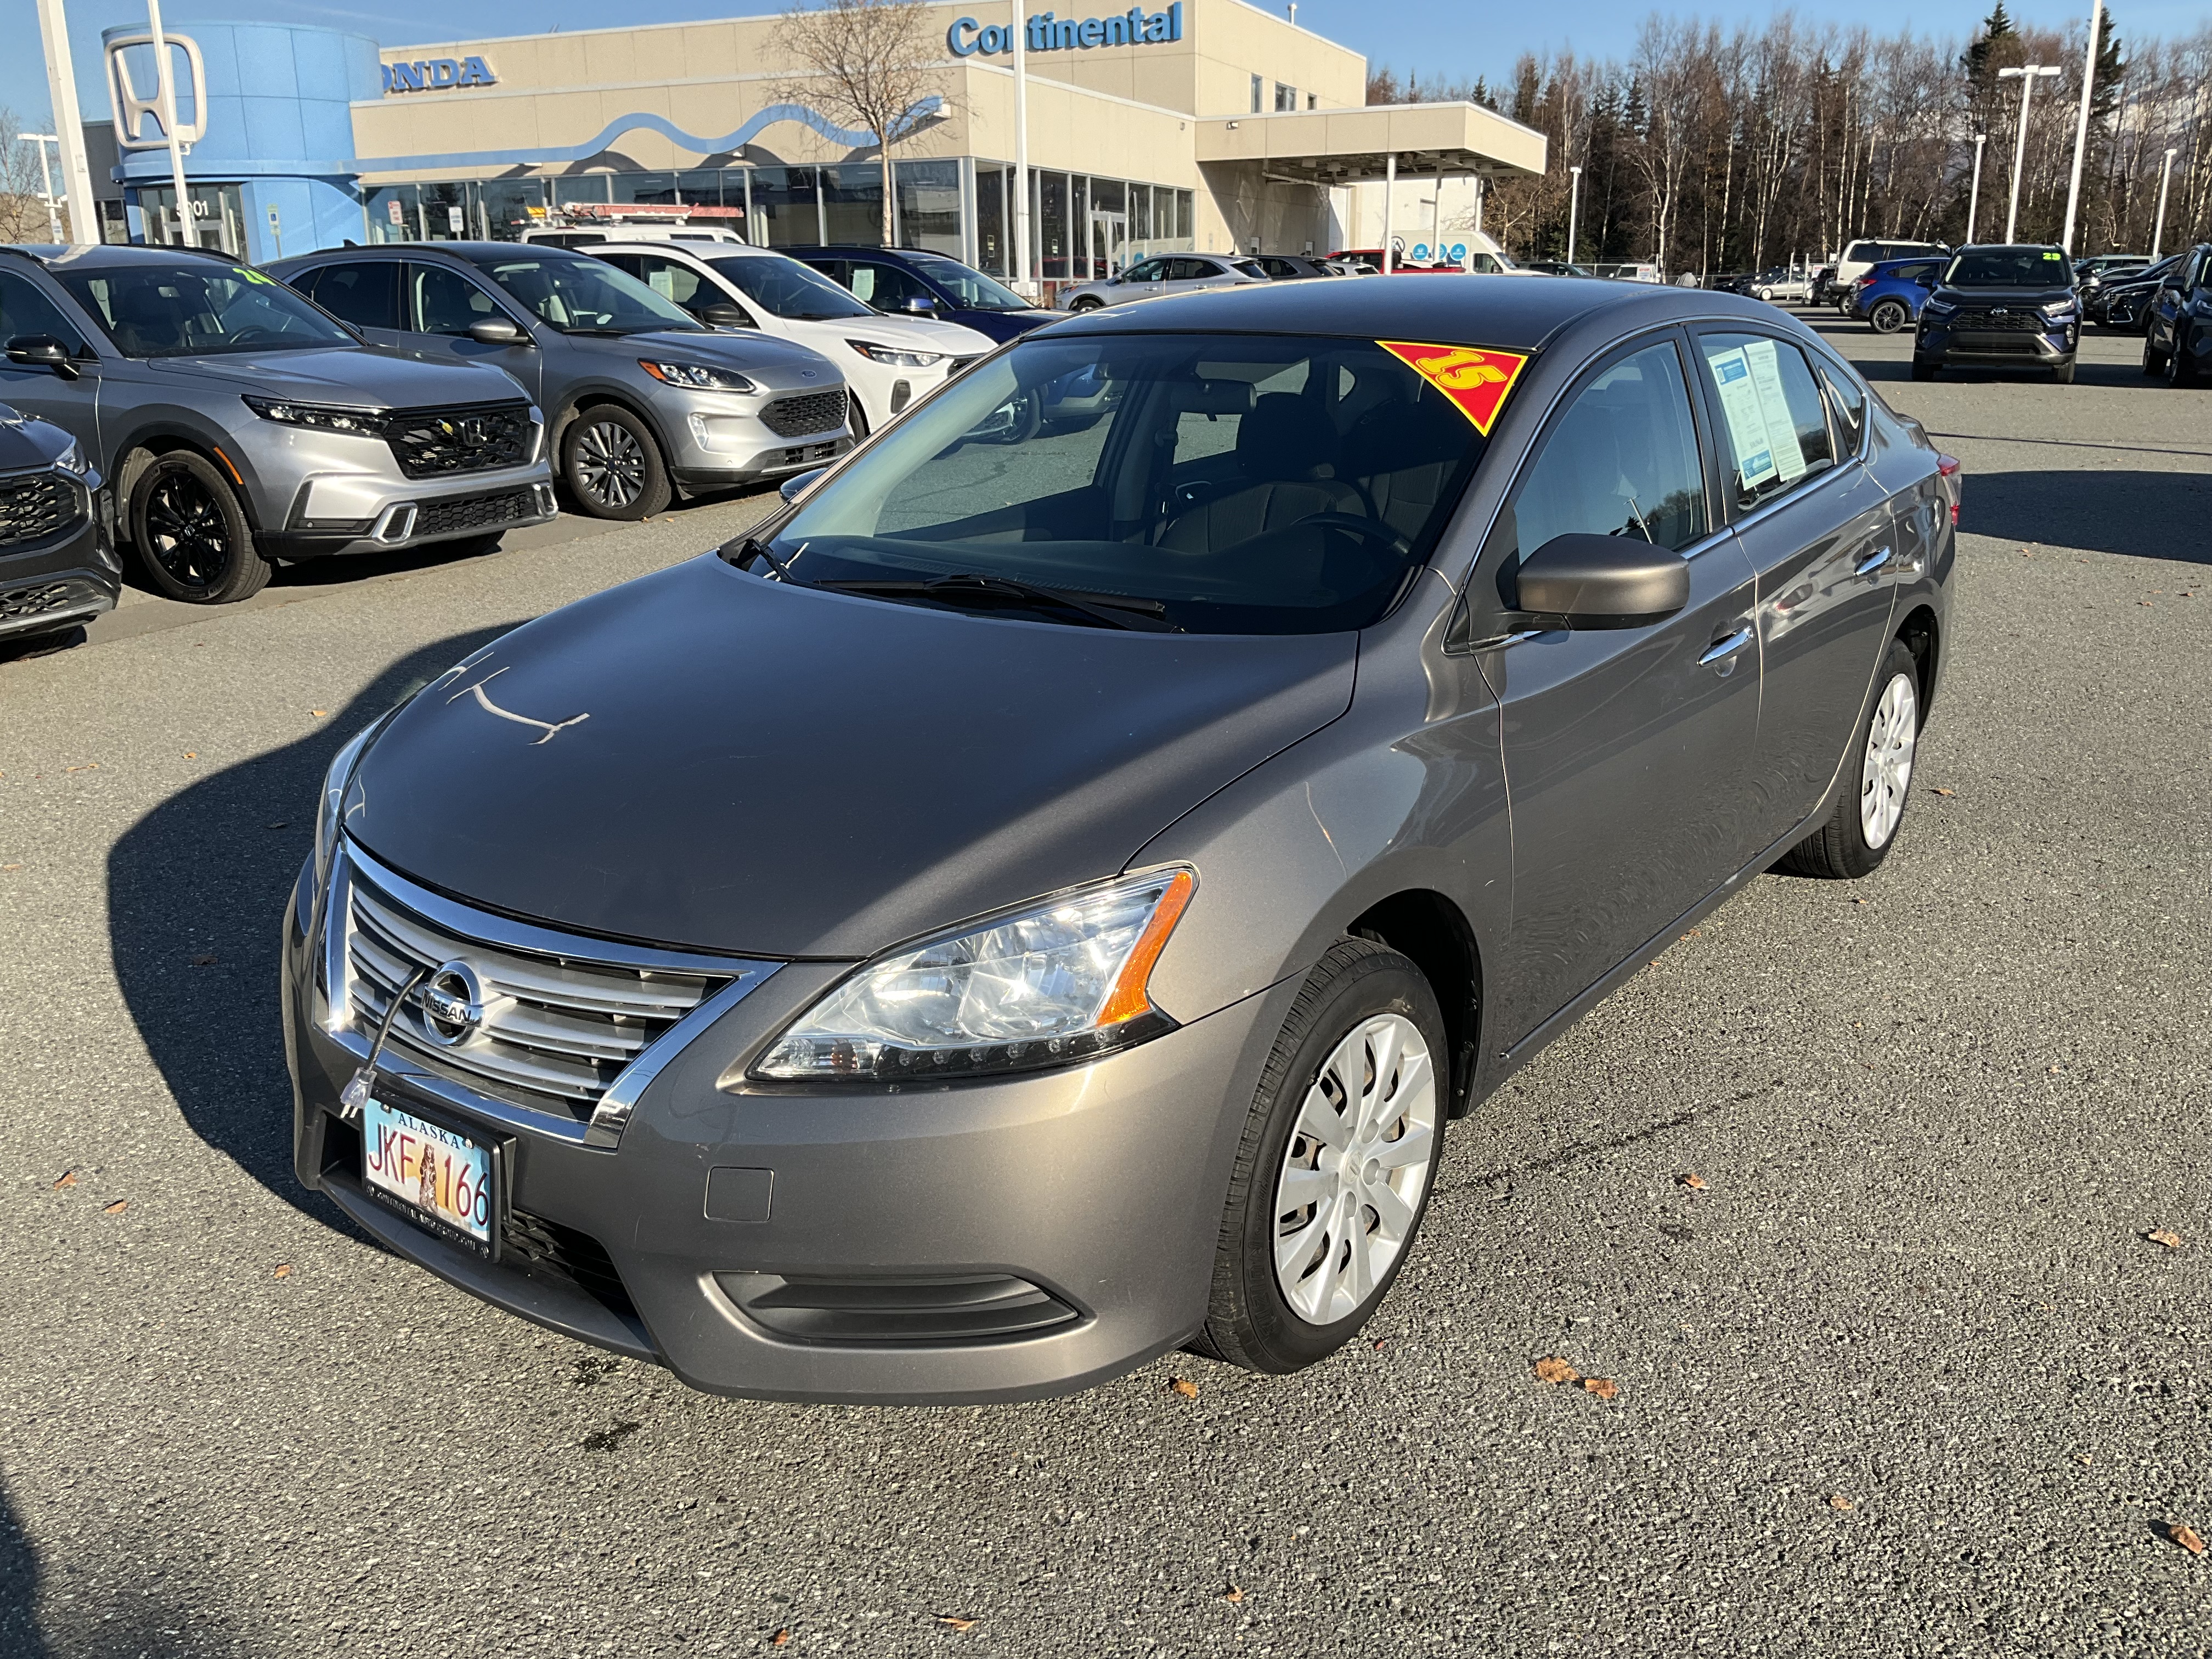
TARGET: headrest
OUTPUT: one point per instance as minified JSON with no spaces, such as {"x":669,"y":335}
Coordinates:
{"x":1285,"y":436}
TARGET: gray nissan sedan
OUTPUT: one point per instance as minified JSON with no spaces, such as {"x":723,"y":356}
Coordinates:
{"x":1039,"y":901}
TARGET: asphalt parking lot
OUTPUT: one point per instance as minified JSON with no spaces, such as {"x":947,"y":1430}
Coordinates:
{"x":1901,"y":1372}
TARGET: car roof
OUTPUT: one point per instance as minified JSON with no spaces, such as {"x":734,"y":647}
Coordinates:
{"x":460,"y":253}
{"x":1474,"y":309}
{"x":112,"y":256}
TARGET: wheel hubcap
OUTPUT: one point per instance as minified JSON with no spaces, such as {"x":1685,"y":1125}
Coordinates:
{"x":610,"y":465}
{"x":1888,"y":768}
{"x":1356,"y":1169}
{"x":185,"y":532}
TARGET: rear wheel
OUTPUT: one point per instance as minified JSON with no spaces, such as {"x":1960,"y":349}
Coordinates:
{"x":1338,"y":1159}
{"x":1889,"y":316}
{"x":613,"y":466}
{"x":1859,"y":832}
{"x":1087,"y":303}
{"x":2153,"y":360}
{"x":192,"y":539}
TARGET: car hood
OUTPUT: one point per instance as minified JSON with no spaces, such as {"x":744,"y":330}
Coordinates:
{"x":2041,"y":295}
{"x":919,"y":334}
{"x":703,"y":758}
{"x":357,"y":377}
{"x":26,"y":441}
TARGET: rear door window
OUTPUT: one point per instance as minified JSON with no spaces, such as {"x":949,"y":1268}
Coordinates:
{"x":886,"y":286}
{"x":443,"y":301}
{"x":1773,"y":425}
{"x":364,"y":293}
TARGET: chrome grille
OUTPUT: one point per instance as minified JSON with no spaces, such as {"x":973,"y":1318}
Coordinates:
{"x":2007,"y":322}
{"x":557,"y":1030}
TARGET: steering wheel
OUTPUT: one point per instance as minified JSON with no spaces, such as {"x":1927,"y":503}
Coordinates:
{"x":1373,"y":529}
{"x":241,"y":336}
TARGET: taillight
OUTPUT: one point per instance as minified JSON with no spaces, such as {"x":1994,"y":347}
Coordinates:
{"x":1946,"y":468}
{"x":1866,"y":282}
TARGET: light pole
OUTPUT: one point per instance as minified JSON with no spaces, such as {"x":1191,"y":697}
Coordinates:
{"x":46,"y":178}
{"x":2082,"y":127}
{"x":2158,"y":230}
{"x":1025,"y":284}
{"x":166,"y":86}
{"x":1974,"y":196}
{"x":69,"y":126}
{"x":1574,"y":208}
{"x":2027,"y":75}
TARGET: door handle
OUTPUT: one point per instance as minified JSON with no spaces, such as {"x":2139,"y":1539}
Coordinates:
{"x":1872,"y":562}
{"x":1727,"y":647}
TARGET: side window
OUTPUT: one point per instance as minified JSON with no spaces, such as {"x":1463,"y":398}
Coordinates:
{"x":1621,"y":460}
{"x":443,"y":301}
{"x":1193,"y":271}
{"x":886,"y":286}
{"x":1151,"y":270}
{"x":671,"y":279}
{"x":25,"y":309}
{"x":1847,"y":399}
{"x":363,"y":294}
{"x":1773,"y":425}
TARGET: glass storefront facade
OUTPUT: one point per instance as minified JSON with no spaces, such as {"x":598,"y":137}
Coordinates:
{"x":1082,"y":228}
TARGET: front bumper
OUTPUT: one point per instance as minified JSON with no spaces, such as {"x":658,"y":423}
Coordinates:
{"x":60,"y":580}
{"x":718,"y":440}
{"x":2042,"y":346}
{"x":1098,"y":1188}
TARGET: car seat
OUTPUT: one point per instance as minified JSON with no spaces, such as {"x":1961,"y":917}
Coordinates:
{"x":1284,"y":454}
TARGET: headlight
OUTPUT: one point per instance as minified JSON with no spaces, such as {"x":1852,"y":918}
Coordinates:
{"x":1937,"y":308}
{"x":893,"y":358}
{"x":698,"y":376}
{"x":71,"y":460}
{"x":322,"y":417}
{"x":1056,"y":984}
{"x":334,"y":789}
{"x":2063,"y":313}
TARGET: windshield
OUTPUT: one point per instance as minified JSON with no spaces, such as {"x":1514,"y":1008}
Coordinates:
{"x":200,"y":308}
{"x":784,"y":288}
{"x":580,"y":295}
{"x":2008,"y":267}
{"x":969,"y":288}
{"x":1234,"y":484}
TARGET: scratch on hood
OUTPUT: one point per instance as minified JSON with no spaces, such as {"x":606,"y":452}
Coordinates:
{"x":552,"y":729}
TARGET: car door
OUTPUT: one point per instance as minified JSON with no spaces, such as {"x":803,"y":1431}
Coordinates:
{"x":1139,"y":282}
{"x":887,"y":288}
{"x":364,"y":293}
{"x":1628,"y":751}
{"x":1819,"y":531}
{"x":1186,"y":274}
{"x":439,"y":304}
{"x":27,"y":309}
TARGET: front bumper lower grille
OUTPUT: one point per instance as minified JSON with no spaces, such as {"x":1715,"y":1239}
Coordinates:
{"x":438,"y":443}
{"x":46,"y":599}
{"x":993,"y":1307}
{"x":1988,"y":322}
{"x":798,"y":417}
{"x":504,"y":507}
{"x":36,"y":505}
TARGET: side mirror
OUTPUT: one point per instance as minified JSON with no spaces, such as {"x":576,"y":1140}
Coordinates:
{"x":1602,"y":582}
{"x":919,"y":302}
{"x":722,"y":314}
{"x":795,"y":486}
{"x":496,"y":331}
{"x":42,"y":351}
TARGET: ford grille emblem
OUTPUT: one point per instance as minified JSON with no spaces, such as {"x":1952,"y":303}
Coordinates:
{"x":452,"y":1003}
{"x":806,"y":373}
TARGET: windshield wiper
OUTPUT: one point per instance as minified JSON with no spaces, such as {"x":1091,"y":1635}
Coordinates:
{"x":742,"y":550}
{"x":1107,"y":610}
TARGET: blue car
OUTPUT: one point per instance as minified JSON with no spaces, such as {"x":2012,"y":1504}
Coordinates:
{"x":1890,"y":295}
{"x":905,"y":279}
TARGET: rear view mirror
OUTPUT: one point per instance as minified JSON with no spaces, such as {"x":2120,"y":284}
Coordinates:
{"x":722,"y":314}
{"x":1602,"y":582}
{"x":496,"y":330}
{"x":42,"y":351}
{"x":1213,"y":396}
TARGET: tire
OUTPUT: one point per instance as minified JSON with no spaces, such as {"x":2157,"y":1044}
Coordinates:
{"x":2062,"y":374}
{"x":1922,"y":369}
{"x":1087,"y":303}
{"x":856,"y":416}
{"x":2181,"y":365}
{"x":1859,"y":832}
{"x":2154,"y":361}
{"x":1360,"y":996}
{"x":191,"y":537}
{"x":1888,"y":316}
{"x":611,"y":463}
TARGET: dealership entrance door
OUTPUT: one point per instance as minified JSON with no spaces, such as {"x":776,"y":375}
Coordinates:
{"x":1110,"y":244}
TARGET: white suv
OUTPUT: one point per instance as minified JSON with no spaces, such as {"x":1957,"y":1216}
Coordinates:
{"x":1865,"y":254}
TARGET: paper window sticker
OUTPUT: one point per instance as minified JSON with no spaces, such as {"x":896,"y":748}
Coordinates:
{"x":1747,"y":419}
{"x":1774,"y":403}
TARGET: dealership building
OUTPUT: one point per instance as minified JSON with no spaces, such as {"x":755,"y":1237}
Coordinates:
{"x":1209,"y":125}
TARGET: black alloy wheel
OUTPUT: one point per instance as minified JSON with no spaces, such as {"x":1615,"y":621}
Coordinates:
{"x":191,"y":535}
{"x":612,"y":465}
{"x":1889,"y":316}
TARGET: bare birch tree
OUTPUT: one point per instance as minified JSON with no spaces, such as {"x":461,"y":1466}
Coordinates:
{"x":868,"y":64}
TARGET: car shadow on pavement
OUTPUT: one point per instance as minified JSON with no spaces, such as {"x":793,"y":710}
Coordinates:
{"x":196,"y":904}
{"x":19,"y":1588}
{"x":2142,"y":514}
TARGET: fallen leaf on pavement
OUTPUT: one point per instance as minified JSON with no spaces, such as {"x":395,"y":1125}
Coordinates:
{"x":319,"y":713}
{"x":1603,"y":1387}
{"x":69,"y":1179}
{"x":1696,"y":1184}
{"x":90,"y":766}
{"x":2185,"y":1536}
{"x":1183,"y":1386}
{"x":1839,"y":1502}
{"x":1947,"y":792}
{"x":956,"y":1622}
{"x":191,"y":754}
{"x":779,"y":1638}
{"x":2163,"y":1235}
{"x":1553,"y":1368}
{"x":284,"y":1271}
{"x":117,"y":1207}
{"x":10,"y":866}
{"x":281,"y":823}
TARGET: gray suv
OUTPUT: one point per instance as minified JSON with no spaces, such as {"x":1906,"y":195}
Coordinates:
{"x":644,"y":399}
{"x":239,"y":425}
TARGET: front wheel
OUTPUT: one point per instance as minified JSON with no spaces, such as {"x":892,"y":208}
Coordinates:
{"x":2153,"y":360}
{"x":2181,"y":365}
{"x":1859,"y":832}
{"x":1889,"y":316}
{"x":1087,"y":303}
{"x":192,"y":539}
{"x":1337,"y":1161}
{"x":613,"y":466}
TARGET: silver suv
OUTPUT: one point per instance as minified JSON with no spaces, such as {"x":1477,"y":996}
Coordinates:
{"x":644,"y":399}
{"x":241,"y":425}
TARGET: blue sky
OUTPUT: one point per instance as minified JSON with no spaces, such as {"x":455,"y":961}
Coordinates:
{"x":1440,"y":38}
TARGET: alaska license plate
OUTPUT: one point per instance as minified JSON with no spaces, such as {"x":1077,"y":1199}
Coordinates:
{"x":442,"y":1177}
